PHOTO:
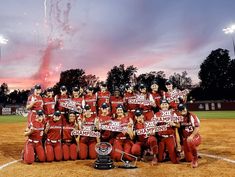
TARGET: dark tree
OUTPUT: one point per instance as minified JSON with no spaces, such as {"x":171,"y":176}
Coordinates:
{"x":181,"y":81}
{"x":119,"y":75}
{"x":147,"y":78}
{"x":71,"y":78}
{"x":3,"y":93}
{"x":214,"y":75}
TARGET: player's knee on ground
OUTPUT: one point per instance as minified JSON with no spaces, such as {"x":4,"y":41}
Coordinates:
{"x":92,"y":152}
{"x":73,"y":151}
{"x":136,"y":150}
{"x":58,"y":153}
{"x":83,"y":152}
{"x":65,"y":152}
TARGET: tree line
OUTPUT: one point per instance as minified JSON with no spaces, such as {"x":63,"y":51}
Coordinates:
{"x":216,"y":74}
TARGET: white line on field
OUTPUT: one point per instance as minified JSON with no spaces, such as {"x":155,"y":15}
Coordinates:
{"x":9,"y":163}
{"x":202,"y":154}
{"x":217,"y":157}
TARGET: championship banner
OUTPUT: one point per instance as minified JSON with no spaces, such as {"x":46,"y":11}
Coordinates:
{"x":69,"y":104}
{"x":114,"y":126}
{"x":175,"y":94}
{"x":151,"y":130}
{"x":168,"y":116}
{"x":176,"y":119}
{"x":139,"y":100}
{"x":85,"y":133}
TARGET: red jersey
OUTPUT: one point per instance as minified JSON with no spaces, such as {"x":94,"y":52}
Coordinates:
{"x":146,"y":101}
{"x":88,"y":121}
{"x":129,"y":104}
{"x":67,"y":129}
{"x":115,"y":101}
{"x":157,"y":98}
{"x":103,"y":97}
{"x":49,"y":105}
{"x":38,"y":130}
{"x":104,"y":119}
{"x":39,"y":102}
{"x":54,"y":132}
{"x":167,"y":114}
{"x":91,"y":101}
{"x":189,"y":123}
{"x":138,"y":126}
{"x":79,"y":102}
{"x":123,"y":122}
{"x":60,"y":99}
{"x":172,"y":98}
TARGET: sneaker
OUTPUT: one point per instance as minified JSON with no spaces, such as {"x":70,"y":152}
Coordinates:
{"x":194,"y":163}
{"x":154,"y":161}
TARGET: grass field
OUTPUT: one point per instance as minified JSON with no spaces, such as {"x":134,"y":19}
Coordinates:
{"x":200,"y":114}
{"x":215,"y":114}
{"x":12,"y":119}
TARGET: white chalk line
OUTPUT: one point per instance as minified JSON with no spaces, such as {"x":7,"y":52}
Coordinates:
{"x":217,"y":157}
{"x":201,"y":154}
{"x":9,"y":163}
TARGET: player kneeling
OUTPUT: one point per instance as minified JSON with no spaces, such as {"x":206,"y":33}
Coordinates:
{"x":190,"y":133}
{"x":53,"y":143}
{"x":33,"y":145}
{"x":144,"y":141}
{"x":69,"y":144}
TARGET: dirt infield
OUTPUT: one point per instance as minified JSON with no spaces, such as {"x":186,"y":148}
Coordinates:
{"x":218,"y":139}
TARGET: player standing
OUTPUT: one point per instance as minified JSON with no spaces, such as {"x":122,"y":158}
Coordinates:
{"x":49,"y":104}
{"x":34,"y":103}
{"x":115,"y":100}
{"x":91,"y":99}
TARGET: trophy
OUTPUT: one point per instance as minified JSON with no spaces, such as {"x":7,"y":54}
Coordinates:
{"x":127,"y":164}
{"x":103,"y":162}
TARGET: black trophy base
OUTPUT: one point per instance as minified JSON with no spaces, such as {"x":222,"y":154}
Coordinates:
{"x":103,"y":162}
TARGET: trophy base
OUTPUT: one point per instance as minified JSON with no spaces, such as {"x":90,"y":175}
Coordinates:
{"x":127,"y":165}
{"x":103,"y":162}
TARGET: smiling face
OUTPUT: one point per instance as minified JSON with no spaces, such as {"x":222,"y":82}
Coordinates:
{"x":140,"y":118}
{"x":119,"y":112}
{"x":87,"y":112}
{"x":37,"y":91}
{"x":169,"y":87}
{"x":154,"y":87}
{"x":164,"y":106}
{"x":143,"y":90}
{"x":56,"y":118}
{"x":39,"y":118}
{"x":72,"y":118}
{"x":63,"y":91}
{"x":183,"y":112}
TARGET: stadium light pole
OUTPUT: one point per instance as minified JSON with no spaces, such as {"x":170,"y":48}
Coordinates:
{"x":3,"y":41}
{"x":230,"y":30}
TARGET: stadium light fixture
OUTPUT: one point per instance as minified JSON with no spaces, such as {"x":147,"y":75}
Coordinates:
{"x":230,"y":30}
{"x":3,"y":41}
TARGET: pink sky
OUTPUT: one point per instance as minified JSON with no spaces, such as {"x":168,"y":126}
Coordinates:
{"x":97,"y":35}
